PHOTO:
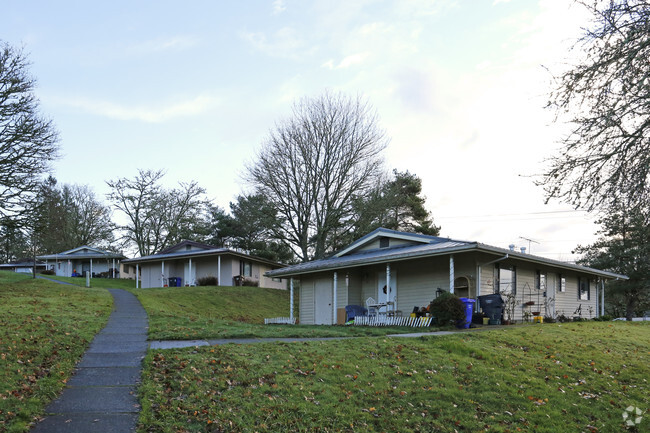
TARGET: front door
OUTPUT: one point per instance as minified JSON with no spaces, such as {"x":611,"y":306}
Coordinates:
{"x":323,"y":302}
{"x":386,"y":293}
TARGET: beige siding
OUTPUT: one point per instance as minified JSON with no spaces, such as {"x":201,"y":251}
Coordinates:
{"x":307,"y":301}
{"x":391,"y":243}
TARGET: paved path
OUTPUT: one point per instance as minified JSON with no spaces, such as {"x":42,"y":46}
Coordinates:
{"x":178,"y":344}
{"x":100,"y":397}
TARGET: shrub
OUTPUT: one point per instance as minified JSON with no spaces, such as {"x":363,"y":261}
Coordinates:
{"x":250,"y":282}
{"x":48,"y":272}
{"x":549,"y":319}
{"x":447,"y":309}
{"x":563,"y":319}
{"x":208,"y":281}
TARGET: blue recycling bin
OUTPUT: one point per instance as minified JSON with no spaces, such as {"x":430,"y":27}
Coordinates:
{"x":469,"y":310}
{"x":179,"y":282}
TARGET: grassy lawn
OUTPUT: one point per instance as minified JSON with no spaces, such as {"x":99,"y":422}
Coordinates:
{"x":184,"y":313}
{"x":576,"y":377}
{"x":105,"y":283}
{"x":44,"y":330}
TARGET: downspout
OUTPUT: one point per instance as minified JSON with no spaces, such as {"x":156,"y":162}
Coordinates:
{"x":162,"y":274}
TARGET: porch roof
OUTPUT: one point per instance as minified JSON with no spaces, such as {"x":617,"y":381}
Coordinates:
{"x":435,"y":247}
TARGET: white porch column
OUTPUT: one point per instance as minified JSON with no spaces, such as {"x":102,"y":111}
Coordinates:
{"x":602,"y":297}
{"x":218,"y":270}
{"x":162,"y":273}
{"x":291,"y":298}
{"x":113,"y":268}
{"x":451,"y":274}
{"x":137,"y":276}
{"x":334,"y":296}
{"x":189,"y":277}
{"x":387,"y":286}
{"x":91,"y":268}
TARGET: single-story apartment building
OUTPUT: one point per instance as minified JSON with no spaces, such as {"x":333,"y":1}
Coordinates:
{"x":398,"y":271}
{"x":77,"y":261}
{"x":24,"y":266}
{"x":186,"y":262}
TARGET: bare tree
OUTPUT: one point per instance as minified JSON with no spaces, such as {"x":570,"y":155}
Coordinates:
{"x":27,"y":141}
{"x":157,"y":218}
{"x":313,"y":164}
{"x":605,"y":159}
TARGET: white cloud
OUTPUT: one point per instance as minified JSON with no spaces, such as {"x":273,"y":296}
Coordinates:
{"x":149,"y":114}
{"x":175,"y":43}
{"x":278,"y":7}
{"x":285,"y":43}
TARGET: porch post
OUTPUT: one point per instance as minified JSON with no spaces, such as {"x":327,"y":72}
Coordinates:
{"x":387,"y":286}
{"x":291,"y":298}
{"x":189,"y":277}
{"x":162,"y":273}
{"x":451,"y":273}
{"x":334,"y":295}
{"x":113,"y":268}
{"x":602,"y":297}
{"x":137,"y":276}
{"x":91,"y":268}
{"x":218,"y":270}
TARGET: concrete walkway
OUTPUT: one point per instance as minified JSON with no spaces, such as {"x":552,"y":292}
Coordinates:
{"x":100,"y":396}
{"x":179,"y":344}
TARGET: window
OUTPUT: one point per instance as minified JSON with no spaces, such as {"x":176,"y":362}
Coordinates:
{"x":540,"y":280}
{"x":245,"y":268}
{"x":505,"y":279}
{"x":383,"y":242}
{"x":561,"y":283}
{"x":583,"y":289}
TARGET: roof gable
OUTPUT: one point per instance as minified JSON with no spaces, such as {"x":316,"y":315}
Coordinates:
{"x":187,"y":246}
{"x":382,"y":238}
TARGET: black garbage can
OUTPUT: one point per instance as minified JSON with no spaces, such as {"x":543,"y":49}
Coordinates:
{"x":492,"y":306}
{"x":172,"y":281}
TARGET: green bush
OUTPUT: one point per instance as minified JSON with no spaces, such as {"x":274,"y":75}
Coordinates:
{"x":207,"y":281}
{"x":448,"y":309}
{"x":48,"y":272}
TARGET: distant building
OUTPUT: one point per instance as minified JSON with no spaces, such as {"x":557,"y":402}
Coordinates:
{"x":183,"y":264}
{"x":24,"y":266}
{"x":77,"y":261}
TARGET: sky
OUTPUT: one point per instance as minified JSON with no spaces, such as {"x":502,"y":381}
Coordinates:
{"x":194,"y":88}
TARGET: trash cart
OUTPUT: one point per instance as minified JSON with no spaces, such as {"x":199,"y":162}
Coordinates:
{"x":492,"y":306}
{"x":469,"y":310}
{"x":172,"y":281}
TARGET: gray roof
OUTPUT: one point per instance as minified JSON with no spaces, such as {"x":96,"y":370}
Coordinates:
{"x":83,"y":252}
{"x":426,"y":246}
{"x":197,"y":253}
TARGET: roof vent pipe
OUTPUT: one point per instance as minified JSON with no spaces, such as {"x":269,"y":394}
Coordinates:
{"x":523,"y":250}
{"x":512,"y":247}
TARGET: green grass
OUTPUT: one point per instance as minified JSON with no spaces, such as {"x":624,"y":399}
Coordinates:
{"x":184,"y":313}
{"x":44,"y":330}
{"x":105,"y":283}
{"x":575,"y":377}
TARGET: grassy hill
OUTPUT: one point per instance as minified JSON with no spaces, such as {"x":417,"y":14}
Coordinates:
{"x":44,"y":330}
{"x":553,"y":378}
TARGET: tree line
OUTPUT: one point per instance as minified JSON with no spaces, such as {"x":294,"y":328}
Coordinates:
{"x":319,"y":180}
{"x":317,"y":183}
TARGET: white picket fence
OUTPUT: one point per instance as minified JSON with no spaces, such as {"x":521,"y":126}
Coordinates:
{"x":414,"y":322}
{"x":280,"y":321}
